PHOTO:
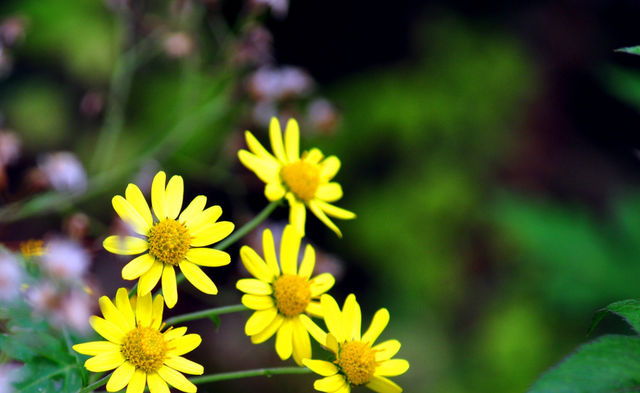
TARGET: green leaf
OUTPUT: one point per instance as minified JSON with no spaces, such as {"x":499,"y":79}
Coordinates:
{"x":634,"y":50}
{"x":609,"y":364}
{"x":628,"y":309}
{"x":216,"y":320}
{"x":44,"y":376}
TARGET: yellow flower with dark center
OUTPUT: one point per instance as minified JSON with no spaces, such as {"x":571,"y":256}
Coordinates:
{"x":137,"y":349}
{"x":357,"y":362}
{"x":305,"y":181}
{"x":280,"y":297}
{"x":172,"y":239}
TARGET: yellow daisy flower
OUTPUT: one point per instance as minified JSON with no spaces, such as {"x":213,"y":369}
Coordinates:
{"x":171,"y":239}
{"x":137,"y":350}
{"x":357,"y":362}
{"x":280,"y":297}
{"x":304,"y":181}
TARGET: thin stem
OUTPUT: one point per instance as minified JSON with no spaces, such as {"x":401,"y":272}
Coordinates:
{"x":267,"y":372}
{"x":83,"y":371}
{"x":205,"y":314}
{"x":100,"y":382}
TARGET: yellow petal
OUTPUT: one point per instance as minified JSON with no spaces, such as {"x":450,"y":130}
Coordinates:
{"x":105,"y":361}
{"x":255,"y":265}
{"x":259,"y":321}
{"x":130,"y":215}
{"x":380,"y":320}
{"x":391,"y":368}
{"x":206,"y":218}
{"x":107,"y":329}
{"x":267,"y":170}
{"x":125,"y":245}
{"x":321,"y":284}
{"x":314,"y":156}
{"x":332,"y":343}
{"x":297,"y":214}
{"x":269,"y":251}
{"x":184,"y":365}
{"x":318,"y":334}
{"x":208,"y":257}
{"x":157,"y":309}
{"x":255,"y":302}
{"x":113,"y":315}
{"x":254,"y":287}
{"x":275,"y":135}
{"x":144,"y":310}
{"x":315,"y":309}
{"x":195,"y":207}
{"x":289,"y":250}
{"x":308,"y":262}
{"x":301,"y":342}
{"x":121,"y":377}
{"x":159,"y":196}
{"x":329,"y":168}
{"x":149,"y":279}
{"x":212,"y":234}
{"x":177,"y":380}
{"x":332,"y":316}
{"x":329,"y":192}
{"x":346,"y":388}
{"x":292,"y":140}
{"x":351,"y":319}
{"x":184,"y":344}
{"x":326,"y":369}
{"x":335,"y":211}
{"x":175,"y":193}
{"x":196,"y":276}
{"x":169,"y":286}
{"x":174,"y":333}
{"x":96,"y":347}
{"x":274,"y":191}
{"x":330,"y":384}
{"x":314,"y":206}
{"x":137,"y":267}
{"x":386,"y":350}
{"x":284,"y":339}
{"x":137,"y":382}
{"x":124,"y":305}
{"x":136,"y":199}
{"x":157,"y":384}
{"x":269,"y":331}
{"x":383,"y":385}
{"x":256,"y":147}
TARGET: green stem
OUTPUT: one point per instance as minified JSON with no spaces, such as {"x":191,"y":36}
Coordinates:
{"x":205,"y":314}
{"x":100,"y":382}
{"x":267,"y":372}
{"x":83,"y":371}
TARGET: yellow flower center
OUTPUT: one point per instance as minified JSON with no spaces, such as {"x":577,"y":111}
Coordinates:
{"x":357,"y":361}
{"x":292,"y":294}
{"x":145,"y":348}
{"x":302,"y":178}
{"x":169,"y":241}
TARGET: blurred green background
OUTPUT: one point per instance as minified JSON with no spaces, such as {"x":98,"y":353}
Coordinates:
{"x":490,"y":153}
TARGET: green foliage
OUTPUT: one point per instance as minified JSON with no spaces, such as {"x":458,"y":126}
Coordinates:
{"x":634,"y":50}
{"x":629,"y":310}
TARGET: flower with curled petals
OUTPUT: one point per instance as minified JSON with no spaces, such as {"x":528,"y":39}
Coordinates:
{"x":280,"y":297}
{"x":137,"y":349}
{"x":356,"y":360}
{"x":171,"y":239}
{"x":305,"y":181}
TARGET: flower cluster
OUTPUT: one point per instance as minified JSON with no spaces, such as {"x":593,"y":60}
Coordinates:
{"x":284,"y":292}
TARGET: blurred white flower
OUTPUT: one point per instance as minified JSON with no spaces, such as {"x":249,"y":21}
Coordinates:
{"x":70,"y":308}
{"x":279,"y":8}
{"x":10,"y":276}
{"x":322,"y":115}
{"x":64,"y":172}
{"x":65,"y":259}
{"x":277,"y":84}
{"x":9,"y":147}
{"x":75,"y":311}
{"x":7,"y":376}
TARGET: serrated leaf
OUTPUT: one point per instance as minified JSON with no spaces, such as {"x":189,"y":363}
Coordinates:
{"x":609,"y":364}
{"x":634,"y":50}
{"x":16,"y":349}
{"x":628,"y":309}
{"x":44,"y":376}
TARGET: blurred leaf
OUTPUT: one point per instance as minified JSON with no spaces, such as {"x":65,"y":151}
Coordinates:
{"x":634,"y":50}
{"x":610,"y":364}
{"x":43,"y":376}
{"x":628,"y":309}
{"x":216,"y":320}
